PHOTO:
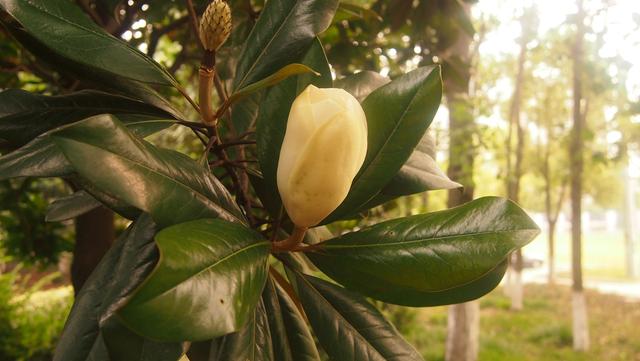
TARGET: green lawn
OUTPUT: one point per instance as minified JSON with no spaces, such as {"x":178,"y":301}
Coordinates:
{"x":542,"y":331}
{"x":603,"y":253}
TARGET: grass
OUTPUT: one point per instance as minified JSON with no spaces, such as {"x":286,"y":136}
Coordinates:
{"x":541,"y":332}
{"x":603,"y":253}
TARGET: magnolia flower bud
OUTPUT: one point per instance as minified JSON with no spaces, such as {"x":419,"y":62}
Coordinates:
{"x":324,"y":147}
{"x":215,"y":25}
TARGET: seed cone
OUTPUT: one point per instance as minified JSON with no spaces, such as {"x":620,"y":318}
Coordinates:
{"x":215,"y":25}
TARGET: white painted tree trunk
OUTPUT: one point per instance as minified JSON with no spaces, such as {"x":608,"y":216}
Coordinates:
{"x":517,"y":291}
{"x":580,"y":322}
{"x":507,"y":283}
{"x":463,"y":325}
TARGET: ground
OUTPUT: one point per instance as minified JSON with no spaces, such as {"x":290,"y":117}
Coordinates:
{"x":542,"y":331}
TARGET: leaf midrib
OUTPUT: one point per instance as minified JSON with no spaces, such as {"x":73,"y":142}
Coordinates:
{"x":221,"y":210}
{"x":264,"y":49}
{"x":101,"y":35}
{"x":404,"y":243}
{"x":375,"y":158}
{"x":213,"y":265}
{"x":356,"y":331}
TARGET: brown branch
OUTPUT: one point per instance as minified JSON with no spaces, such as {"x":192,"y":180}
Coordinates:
{"x":194,"y":21}
{"x":286,"y":286}
{"x":241,"y":192}
{"x":235,"y":143}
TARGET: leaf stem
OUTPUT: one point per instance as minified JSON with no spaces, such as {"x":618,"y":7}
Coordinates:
{"x":291,"y":243}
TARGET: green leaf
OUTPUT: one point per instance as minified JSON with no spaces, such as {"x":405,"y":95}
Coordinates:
{"x":172,"y":187}
{"x":207,"y":283}
{"x":361,"y":84}
{"x":290,"y":335}
{"x":93,"y":77}
{"x":251,"y":343}
{"x":123,"y":344}
{"x":347,"y":326}
{"x":419,"y":174}
{"x":71,"y":206}
{"x":123,"y":268}
{"x":24,"y":115}
{"x":274,"y":113}
{"x":78,"y":38}
{"x":271,"y":80}
{"x":116,"y":205}
{"x":405,"y":261}
{"x":283,"y":33}
{"x":42,"y":158}
{"x":398,"y":114}
{"x":38,"y":158}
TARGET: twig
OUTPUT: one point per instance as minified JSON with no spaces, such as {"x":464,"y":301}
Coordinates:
{"x":286,"y":286}
{"x":234,"y":143}
{"x":194,"y":21}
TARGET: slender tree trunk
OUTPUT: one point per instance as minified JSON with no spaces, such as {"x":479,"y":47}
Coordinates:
{"x":627,"y":216}
{"x":551,"y":234}
{"x":463,"y":321}
{"x":513,"y":175}
{"x":94,"y":235}
{"x":580,"y":321}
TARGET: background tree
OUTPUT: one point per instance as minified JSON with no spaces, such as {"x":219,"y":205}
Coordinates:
{"x":580,"y":108}
{"x":514,"y":167}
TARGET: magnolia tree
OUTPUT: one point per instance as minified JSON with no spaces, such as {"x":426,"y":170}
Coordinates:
{"x":228,"y":257}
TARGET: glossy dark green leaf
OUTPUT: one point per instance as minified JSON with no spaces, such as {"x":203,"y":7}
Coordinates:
{"x":38,"y":158}
{"x":207,"y":283}
{"x":274,"y":113}
{"x":419,"y":174}
{"x":361,"y":84}
{"x":251,"y":343}
{"x":64,"y":28}
{"x":24,"y":115}
{"x":398,"y":114}
{"x":90,"y":76}
{"x":283,"y":33}
{"x":71,"y":206}
{"x":123,"y":344}
{"x":123,"y":268}
{"x":349,"y":327}
{"x":123,"y":209}
{"x":172,"y":187}
{"x":42,"y":158}
{"x":404,"y":261}
{"x":290,"y":335}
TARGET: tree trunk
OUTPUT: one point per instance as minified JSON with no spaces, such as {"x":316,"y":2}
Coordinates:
{"x":627,"y":217}
{"x":580,"y":323}
{"x":514,"y":175}
{"x":464,"y":319}
{"x":551,"y":278}
{"x":94,"y":235}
